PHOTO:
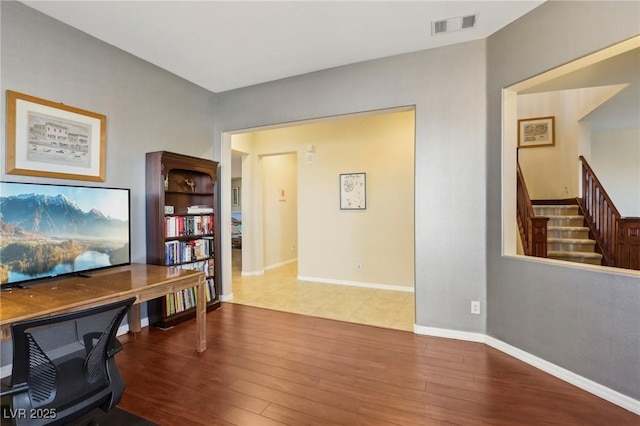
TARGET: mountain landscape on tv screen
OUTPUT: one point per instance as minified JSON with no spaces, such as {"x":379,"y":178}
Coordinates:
{"x":43,"y":235}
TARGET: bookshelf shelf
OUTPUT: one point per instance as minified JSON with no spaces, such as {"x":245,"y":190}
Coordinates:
{"x":181,"y":228}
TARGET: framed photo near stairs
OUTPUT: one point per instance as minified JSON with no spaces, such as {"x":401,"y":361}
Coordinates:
{"x":536,"y":132}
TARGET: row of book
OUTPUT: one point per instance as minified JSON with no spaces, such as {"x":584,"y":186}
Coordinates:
{"x":186,"y":299}
{"x":205,"y":266}
{"x":180,"y":226}
{"x":188,"y":251}
{"x":199,"y":209}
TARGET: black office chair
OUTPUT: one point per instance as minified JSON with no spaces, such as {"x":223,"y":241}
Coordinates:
{"x":64,"y":366}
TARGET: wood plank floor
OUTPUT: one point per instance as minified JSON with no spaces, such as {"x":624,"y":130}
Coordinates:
{"x":264,"y":367}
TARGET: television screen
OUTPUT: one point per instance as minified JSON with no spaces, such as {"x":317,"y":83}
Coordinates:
{"x":50,"y":230}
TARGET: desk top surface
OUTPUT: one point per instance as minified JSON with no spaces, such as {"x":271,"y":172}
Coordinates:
{"x":62,"y":294}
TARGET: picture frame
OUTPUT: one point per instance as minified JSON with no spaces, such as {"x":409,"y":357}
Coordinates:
{"x":536,"y":132}
{"x":235,"y":196}
{"x":49,"y":139}
{"x":353,"y":191}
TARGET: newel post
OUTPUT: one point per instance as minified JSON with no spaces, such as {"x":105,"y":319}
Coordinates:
{"x":538,"y":236}
{"x":627,"y":249}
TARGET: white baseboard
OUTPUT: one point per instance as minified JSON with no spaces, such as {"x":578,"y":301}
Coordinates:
{"x":449,"y":334}
{"x":577,"y":380}
{"x":226,"y":297}
{"x":124,"y":328}
{"x":266,"y":268}
{"x":279,"y":264}
{"x":357,"y":284}
{"x":583,"y":383}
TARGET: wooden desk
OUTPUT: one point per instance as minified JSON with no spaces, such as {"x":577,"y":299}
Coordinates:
{"x":145,"y":282}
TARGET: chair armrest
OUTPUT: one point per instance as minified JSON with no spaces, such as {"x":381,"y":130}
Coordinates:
{"x":114,"y":346}
{"x":7,"y":389}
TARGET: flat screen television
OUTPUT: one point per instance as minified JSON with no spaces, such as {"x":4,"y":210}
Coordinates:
{"x":49,"y":230}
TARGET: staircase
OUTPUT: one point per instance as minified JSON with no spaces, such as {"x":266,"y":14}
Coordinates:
{"x":567,"y":237}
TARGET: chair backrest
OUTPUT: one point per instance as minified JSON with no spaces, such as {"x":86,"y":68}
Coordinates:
{"x":64,"y":361}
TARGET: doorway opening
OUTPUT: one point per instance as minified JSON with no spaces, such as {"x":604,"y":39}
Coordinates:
{"x":352,"y":259}
{"x":237,"y":157}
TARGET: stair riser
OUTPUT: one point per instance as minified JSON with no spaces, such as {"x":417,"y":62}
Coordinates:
{"x":556,"y":211}
{"x":581,"y":248}
{"x":565,"y":222}
{"x":580,"y":235}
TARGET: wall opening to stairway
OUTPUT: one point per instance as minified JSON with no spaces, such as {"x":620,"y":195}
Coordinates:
{"x":587,"y":97}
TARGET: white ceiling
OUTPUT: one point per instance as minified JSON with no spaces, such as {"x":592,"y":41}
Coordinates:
{"x":223,"y":45}
{"x":621,"y":111}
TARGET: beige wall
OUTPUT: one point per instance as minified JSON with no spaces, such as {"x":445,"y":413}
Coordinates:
{"x":615,"y":158}
{"x":332,"y":241}
{"x":553,"y":172}
{"x":280,"y":218}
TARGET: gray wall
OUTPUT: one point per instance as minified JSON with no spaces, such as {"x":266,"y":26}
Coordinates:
{"x":585,"y":321}
{"x":147,"y":109}
{"x":447,"y":87}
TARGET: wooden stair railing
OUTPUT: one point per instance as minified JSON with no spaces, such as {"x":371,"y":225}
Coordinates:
{"x":618,"y":237}
{"x":533,"y":229}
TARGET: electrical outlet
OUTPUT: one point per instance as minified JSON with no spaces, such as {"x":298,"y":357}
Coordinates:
{"x":358,"y":267}
{"x":475,"y":307}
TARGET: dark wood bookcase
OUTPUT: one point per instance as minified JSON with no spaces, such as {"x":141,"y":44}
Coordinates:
{"x":182,"y":227}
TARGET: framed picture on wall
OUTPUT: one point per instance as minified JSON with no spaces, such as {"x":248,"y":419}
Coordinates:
{"x":353,"y":191}
{"x":50,"y":139}
{"x":235,"y":196}
{"x":536,"y":132}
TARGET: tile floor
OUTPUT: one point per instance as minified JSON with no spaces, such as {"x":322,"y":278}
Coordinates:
{"x":279,"y":289}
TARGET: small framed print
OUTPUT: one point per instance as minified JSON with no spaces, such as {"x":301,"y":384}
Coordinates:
{"x":353,"y":191}
{"x":49,"y":139}
{"x":536,"y":132}
{"x":235,"y":196}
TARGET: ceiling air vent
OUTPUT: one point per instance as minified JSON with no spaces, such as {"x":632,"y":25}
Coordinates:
{"x":453,"y":24}
{"x":469,"y":21}
{"x":438,"y":27}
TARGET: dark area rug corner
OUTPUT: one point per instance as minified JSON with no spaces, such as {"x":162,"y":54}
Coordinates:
{"x":114,"y":417}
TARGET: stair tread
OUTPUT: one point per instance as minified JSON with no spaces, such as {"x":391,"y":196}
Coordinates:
{"x":567,"y":228}
{"x":557,"y":216}
{"x":571,"y":240}
{"x":569,"y":209}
